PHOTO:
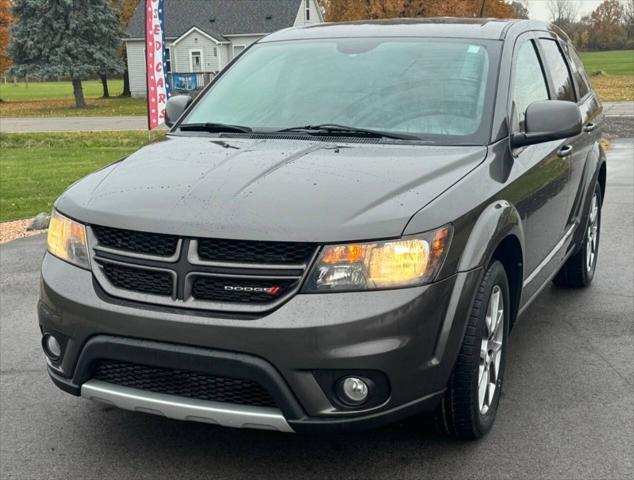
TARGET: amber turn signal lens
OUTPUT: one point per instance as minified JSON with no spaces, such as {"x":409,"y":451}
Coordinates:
{"x":343,"y":254}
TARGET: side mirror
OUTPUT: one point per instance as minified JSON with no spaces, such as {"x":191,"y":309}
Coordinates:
{"x":547,"y":121}
{"x":175,"y":107}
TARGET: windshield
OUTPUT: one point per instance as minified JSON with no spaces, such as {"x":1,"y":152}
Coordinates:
{"x":432,"y":88}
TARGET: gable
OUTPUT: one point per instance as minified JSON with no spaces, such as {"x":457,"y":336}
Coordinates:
{"x":220,"y":17}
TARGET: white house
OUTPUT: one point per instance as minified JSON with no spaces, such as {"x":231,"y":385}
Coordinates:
{"x":202,"y":36}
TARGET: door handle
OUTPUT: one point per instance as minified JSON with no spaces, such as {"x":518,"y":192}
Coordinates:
{"x":565,"y":151}
{"x":589,"y":127}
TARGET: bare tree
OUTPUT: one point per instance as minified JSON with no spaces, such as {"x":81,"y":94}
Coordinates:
{"x":563,"y":12}
{"x":520,"y":9}
{"x":628,"y":18}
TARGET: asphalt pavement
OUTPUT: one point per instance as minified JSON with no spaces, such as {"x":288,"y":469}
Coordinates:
{"x":567,"y":410}
{"x":72,"y":124}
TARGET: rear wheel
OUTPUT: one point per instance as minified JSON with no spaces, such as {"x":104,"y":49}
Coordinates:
{"x":578,"y":271}
{"x":470,"y":403}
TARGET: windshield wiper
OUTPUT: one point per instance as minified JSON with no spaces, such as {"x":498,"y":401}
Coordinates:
{"x":214,"y":128}
{"x":326,"y":128}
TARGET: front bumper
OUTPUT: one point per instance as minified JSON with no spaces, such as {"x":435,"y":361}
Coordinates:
{"x":410,"y":335}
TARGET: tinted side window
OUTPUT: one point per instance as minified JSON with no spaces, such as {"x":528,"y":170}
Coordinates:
{"x":558,"y":69}
{"x":529,"y":84}
{"x":579,"y":72}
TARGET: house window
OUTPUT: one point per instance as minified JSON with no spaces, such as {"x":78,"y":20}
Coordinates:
{"x":196,"y":60}
{"x":168,"y":61}
{"x":237,"y":49}
{"x":307,"y":10}
{"x":215,"y":51}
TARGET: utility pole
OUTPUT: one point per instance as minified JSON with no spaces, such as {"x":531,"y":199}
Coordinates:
{"x":482,"y":8}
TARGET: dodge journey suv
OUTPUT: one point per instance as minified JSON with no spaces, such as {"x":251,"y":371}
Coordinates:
{"x":339,"y":232}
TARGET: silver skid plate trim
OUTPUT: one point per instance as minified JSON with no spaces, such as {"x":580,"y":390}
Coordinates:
{"x":189,"y":409}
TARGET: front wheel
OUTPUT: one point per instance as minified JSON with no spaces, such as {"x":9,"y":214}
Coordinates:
{"x":578,"y":271}
{"x":471,"y":401}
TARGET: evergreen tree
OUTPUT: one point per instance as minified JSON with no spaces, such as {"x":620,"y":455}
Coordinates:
{"x":76,"y":39}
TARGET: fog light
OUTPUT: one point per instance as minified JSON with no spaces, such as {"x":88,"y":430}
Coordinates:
{"x":353,"y":390}
{"x":52,"y":347}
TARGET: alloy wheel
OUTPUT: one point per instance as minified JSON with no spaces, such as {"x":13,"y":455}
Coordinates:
{"x":491,"y":350}
{"x":592,"y":234}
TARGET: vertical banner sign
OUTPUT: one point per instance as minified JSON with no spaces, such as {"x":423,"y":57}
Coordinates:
{"x":156,"y":63}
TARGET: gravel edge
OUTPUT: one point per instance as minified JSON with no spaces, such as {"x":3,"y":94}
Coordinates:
{"x":10,"y":231}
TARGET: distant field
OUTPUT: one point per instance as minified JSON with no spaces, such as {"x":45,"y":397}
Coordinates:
{"x":614,"y":62}
{"x":55,"y":90}
{"x":618,"y":84}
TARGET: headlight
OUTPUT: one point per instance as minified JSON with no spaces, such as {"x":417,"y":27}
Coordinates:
{"x":378,"y":265}
{"x":67,"y":240}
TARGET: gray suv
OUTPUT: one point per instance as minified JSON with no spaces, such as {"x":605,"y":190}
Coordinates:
{"x":339,"y":232}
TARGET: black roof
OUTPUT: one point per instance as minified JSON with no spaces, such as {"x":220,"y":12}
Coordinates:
{"x":220,"y":17}
{"x":481,"y":28}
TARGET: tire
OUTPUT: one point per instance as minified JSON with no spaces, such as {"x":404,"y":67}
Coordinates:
{"x":463,"y":414}
{"x":578,"y":271}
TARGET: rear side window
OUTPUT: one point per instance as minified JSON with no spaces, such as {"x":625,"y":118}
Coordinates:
{"x":529,"y":84}
{"x":579,"y":72}
{"x":558,"y":69}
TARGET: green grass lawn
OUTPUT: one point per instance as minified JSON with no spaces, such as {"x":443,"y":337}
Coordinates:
{"x":35,"y":168}
{"x":55,"y":90}
{"x":614,"y":62}
{"x":55,"y":99}
{"x":115,"y":106}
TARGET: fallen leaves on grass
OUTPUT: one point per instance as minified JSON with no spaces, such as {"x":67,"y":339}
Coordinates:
{"x":614,"y":88}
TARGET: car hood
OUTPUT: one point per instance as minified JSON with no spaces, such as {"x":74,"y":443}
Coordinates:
{"x":272,"y":189}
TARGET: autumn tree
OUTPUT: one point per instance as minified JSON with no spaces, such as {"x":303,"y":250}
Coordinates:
{"x":5,"y":20}
{"x":342,"y":10}
{"x":606,"y":26}
{"x":53,"y":39}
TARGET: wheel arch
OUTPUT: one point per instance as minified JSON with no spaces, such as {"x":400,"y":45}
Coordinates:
{"x":509,"y":253}
{"x":498,"y":234}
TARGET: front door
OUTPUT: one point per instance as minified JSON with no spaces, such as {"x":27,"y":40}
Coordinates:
{"x":196,"y":60}
{"x":543,"y":189}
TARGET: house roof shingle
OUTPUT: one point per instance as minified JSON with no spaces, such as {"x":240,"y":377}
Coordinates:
{"x":220,"y":17}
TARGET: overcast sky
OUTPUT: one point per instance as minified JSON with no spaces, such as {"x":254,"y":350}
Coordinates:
{"x":539,"y":8}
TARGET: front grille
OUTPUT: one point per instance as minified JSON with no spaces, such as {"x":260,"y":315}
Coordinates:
{"x":137,"y":242}
{"x":283,"y":253}
{"x":219,"y":289}
{"x":183,"y":383}
{"x":199,"y":273}
{"x":139,"y":280}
